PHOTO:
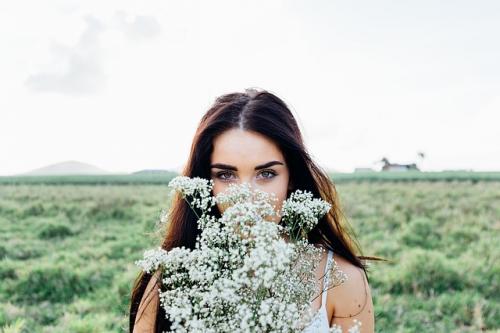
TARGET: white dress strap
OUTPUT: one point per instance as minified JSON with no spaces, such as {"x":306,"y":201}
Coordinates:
{"x":325,"y":279}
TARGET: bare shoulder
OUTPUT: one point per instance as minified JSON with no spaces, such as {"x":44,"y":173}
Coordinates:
{"x":352,"y":299}
{"x":146,"y":313}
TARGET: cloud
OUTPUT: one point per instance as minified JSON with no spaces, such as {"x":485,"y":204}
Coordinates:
{"x":78,"y":70}
{"x":140,"y":27}
{"x":75,"y":70}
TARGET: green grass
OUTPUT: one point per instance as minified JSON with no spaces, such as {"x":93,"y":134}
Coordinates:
{"x":67,"y":252}
{"x":164,"y":178}
{"x":442,"y":238}
{"x":126,"y":179}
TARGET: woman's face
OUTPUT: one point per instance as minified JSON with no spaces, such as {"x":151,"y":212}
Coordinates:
{"x":245,"y":156}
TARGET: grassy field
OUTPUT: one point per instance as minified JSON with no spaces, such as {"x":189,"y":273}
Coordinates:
{"x":67,"y":247}
{"x":163,"y":178}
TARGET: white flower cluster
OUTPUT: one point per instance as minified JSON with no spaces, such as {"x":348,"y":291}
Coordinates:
{"x":195,"y":190}
{"x":300,"y":212}
{"x":354,"y":329}
{"x":243,"y":275}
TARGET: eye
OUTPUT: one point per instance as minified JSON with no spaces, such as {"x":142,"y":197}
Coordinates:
{"x":224,"y":175}
{"x":270,"y":174}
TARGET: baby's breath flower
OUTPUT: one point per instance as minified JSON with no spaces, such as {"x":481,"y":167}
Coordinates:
{"x":195,"y":190}
{"x":300,"y":213}
{"x":189,"y":186}
{"x":353,"y":329}
{"x":242,"y":275}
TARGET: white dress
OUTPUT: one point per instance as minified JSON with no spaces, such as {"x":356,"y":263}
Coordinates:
{"x":320,"y":322}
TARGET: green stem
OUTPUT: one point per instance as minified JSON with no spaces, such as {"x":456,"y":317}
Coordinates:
{"x":194,"y":211}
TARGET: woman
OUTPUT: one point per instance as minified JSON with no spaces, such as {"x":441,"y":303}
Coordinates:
{"x":253,"y":137}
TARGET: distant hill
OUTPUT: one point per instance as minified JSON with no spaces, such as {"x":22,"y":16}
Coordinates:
{"x":151,"y":171}
{"x":67,"y":168}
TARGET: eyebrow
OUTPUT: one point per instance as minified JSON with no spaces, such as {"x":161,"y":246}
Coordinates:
{"x":230,"y":167}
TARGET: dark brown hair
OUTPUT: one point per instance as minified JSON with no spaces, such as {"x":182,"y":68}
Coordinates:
{"x":262,"y":112}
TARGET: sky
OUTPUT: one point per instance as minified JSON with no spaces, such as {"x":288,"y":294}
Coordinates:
{"x":123,"y":84}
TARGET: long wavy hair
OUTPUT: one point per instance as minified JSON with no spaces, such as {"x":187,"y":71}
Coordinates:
{"x":262,"y":112}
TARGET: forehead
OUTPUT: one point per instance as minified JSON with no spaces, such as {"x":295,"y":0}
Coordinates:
{"x":243,"y":147}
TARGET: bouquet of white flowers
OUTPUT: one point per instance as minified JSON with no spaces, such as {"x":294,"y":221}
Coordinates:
{"x":246,"y":273}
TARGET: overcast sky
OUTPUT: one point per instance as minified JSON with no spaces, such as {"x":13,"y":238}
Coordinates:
{"x":123,"y":84}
